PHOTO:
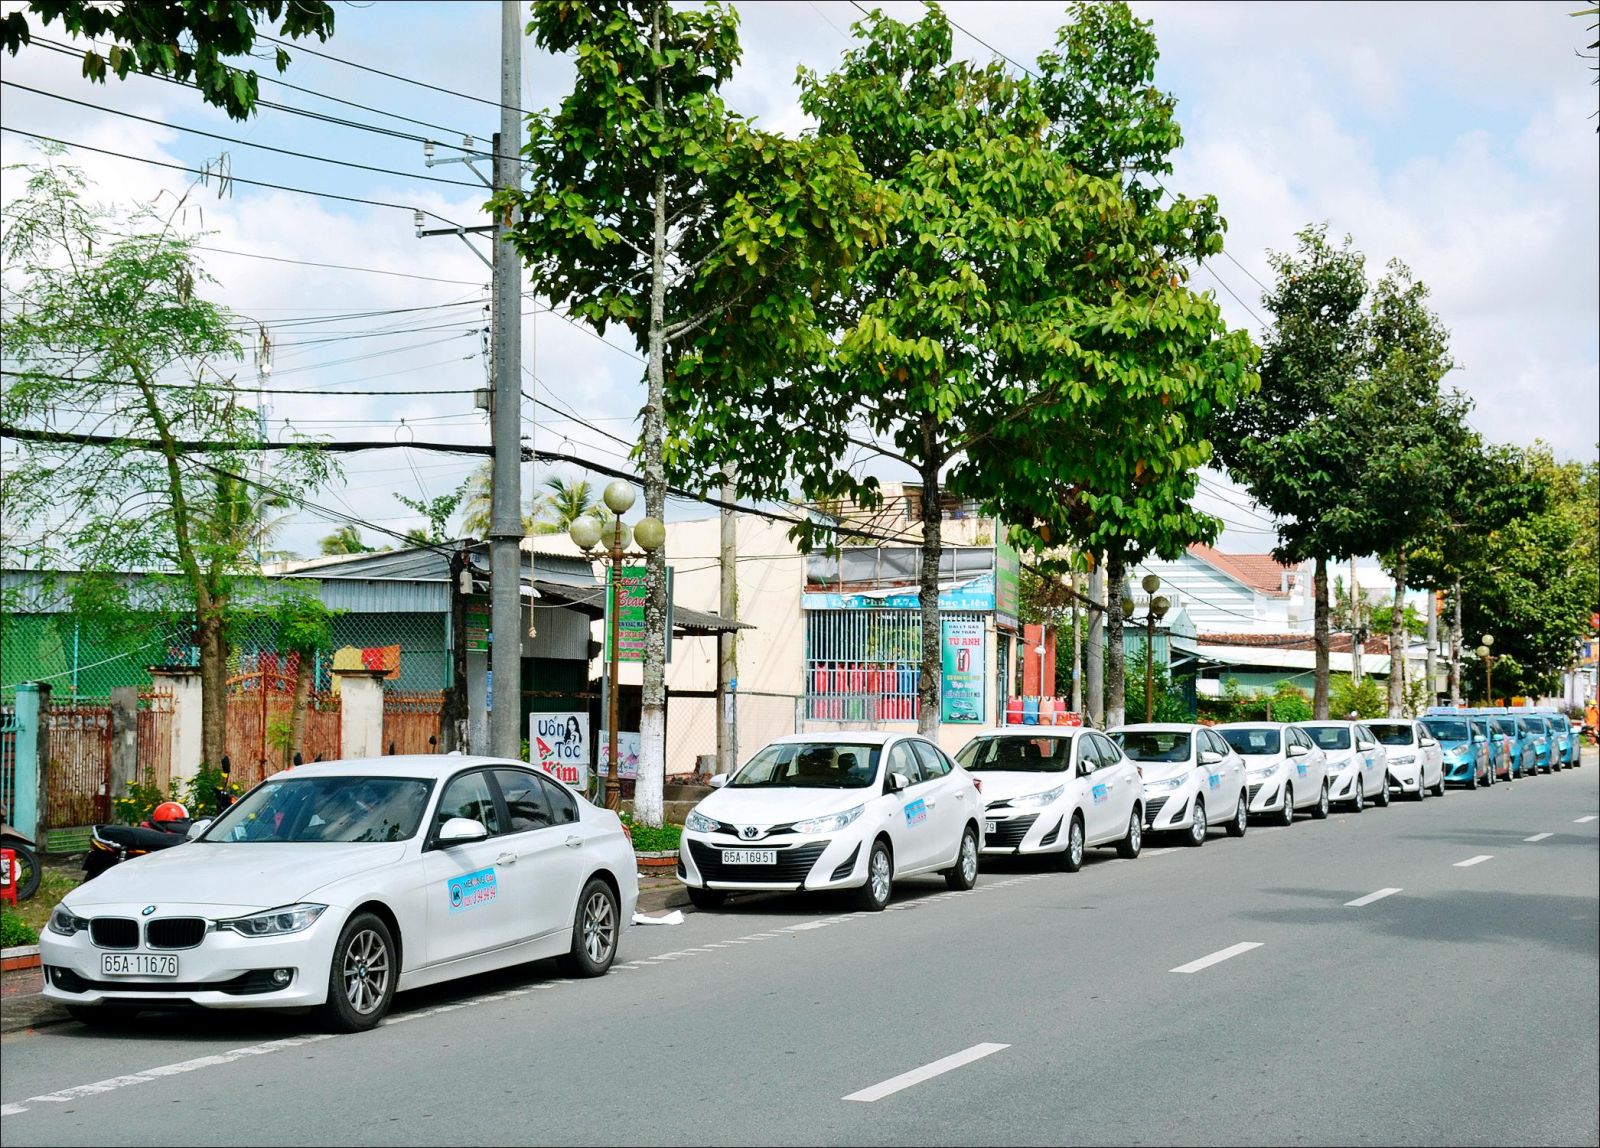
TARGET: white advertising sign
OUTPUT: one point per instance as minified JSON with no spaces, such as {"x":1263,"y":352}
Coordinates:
{"x":558,"y":743}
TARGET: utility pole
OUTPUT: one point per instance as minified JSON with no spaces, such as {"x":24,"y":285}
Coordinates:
{"x":728,"y":643}
{"x":1356,"y":630}
{"x":1432,"y":641}
{"x":1077,"y":653}
{"x":505,"y":509}
{"x":1097,"y":645}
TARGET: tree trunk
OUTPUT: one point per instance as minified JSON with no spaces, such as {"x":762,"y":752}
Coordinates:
{"x":1455,"y":646}
{"x":1077,"y":653}
{"x":928,"y":584}
{"x":213,"y":683}
{"x":1319,"y":584}
{"x":1398,"y":641}
{"x":1116,"y":660}
{"x":648,"y":787}
{"x":1094,"y":670}
{"x":1432,"y":665}
{"x":303,"y":673}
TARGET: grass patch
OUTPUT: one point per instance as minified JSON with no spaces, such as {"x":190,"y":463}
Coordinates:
{"x":15,"y":931}
{"x":651,"y":838}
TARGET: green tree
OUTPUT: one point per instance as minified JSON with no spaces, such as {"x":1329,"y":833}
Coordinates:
{"x":185,"y":40}
{"x":437,"y":511}
{"x":345,"y":540}
{"x":652,"y":206}
{"x":109,"y":326}
{"x":477,"y":503}
{"x":1281,"y":443}
{"x":1363,"y":698}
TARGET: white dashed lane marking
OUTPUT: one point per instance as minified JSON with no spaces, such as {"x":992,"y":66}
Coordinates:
{"x":1584,"y":820}
{"x":1217,"y":957}
{"x":1478,"y":860}
{"x":1371,"y":897}
{"x":1538,"y":836}
{"x":926,"y":1072}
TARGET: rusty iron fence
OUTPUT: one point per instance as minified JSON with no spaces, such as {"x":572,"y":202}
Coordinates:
{"x":78,"y":783}
{"x":411,"y":721}
{"x":260,"y":718}
{"x":153,"y":728}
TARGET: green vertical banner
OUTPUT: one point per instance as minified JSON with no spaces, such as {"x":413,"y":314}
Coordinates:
{"x":963,"y":646}
{"x":1007,"y":584}
{"x":625,"y":593}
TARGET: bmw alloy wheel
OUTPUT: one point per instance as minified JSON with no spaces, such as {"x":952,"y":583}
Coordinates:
{"x":599,"y":927}
{"x":366,"y":971}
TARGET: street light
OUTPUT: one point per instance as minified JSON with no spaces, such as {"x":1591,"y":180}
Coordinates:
{"x":586,"y":532}
{"x":1486,"y":652}
{"x":1159,"y":605}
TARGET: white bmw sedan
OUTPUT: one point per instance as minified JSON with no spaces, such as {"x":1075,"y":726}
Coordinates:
{"x":844,"y":811}
{"x":1192,"y":778}
{"x":1284,"y":770}
{"x":335,"y":885}
{"x":1357,"y":765}
{"x":1055,"y":792}
{"x":1416,"y":760}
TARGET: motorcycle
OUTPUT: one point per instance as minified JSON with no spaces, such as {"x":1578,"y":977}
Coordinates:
{"x":113,"y":844}
{"x":26,"y":878}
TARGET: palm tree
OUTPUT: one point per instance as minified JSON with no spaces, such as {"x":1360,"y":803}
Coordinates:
{"x":345,"y":540}
{"x":566,"y":503}
{"x":477,"y":504}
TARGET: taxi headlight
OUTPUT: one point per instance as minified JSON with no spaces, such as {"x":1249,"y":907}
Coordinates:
{"x":1034,"y":800}
{"x":1337,"y":763}
{"x":1403,"y":759}
{"x":274,"y":922}
{"x":1263,"y":772}
{"x":1166,"y":785}
{"x":831,"y":823}
{"x":64,"y":922}
{"x":698,"y":822}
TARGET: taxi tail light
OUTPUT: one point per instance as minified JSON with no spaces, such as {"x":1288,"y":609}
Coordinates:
{"x":977,"y":784}
{"x":627,"y":831}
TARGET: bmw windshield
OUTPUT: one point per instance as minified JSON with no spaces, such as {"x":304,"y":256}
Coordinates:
{"x":325,"y":810}
{"x":809,"y":765}
{"x":1016,"y":754}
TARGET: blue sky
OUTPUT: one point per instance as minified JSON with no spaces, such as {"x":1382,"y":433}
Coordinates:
{"x":1462,"y":145}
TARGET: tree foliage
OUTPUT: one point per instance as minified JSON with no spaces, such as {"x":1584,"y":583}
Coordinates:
{"x":186,"y":40}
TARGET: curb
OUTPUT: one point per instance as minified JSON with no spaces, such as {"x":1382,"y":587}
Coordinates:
{"x":19,"y":957}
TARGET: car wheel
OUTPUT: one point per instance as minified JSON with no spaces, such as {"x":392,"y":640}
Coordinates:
{"x":965,"y":874}
{"x":594,"y":932}
{"x":99,"y":1016}
{"x":1438,"y":786}
{"x":1382,"y":800}
{"x":1130,"y":845}
{"x":874,"y":895}
{"x":362,"y":976}
{"x":1197,"y":825}
{"x":1422,"y":790}
{"x":1241,"y":816}
{"x":1286,"y":814}
{"x":706,"y":898}
{"x":1358,"y":799}
{"x":25,"y":872}
{"x":1320,"y":810}
{"x":1071,"y":858}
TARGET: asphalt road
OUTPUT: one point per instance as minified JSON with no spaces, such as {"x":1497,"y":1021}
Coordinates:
{"x":1459,"y":1007}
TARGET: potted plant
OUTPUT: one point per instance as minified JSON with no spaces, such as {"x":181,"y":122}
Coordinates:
{"x":655,"y":847}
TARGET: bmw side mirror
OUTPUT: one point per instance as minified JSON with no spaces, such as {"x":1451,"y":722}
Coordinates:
{"x":461,"y":831}
{"x":718,"y":780}
{"x":197,"y":828}
{"x":898,"y":781}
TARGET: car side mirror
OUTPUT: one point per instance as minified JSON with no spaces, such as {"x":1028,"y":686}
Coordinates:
{"x":898,"y":781}
{"x":461,"y":831}
{"x":718,"y":780}
{"x":1427,"y":741}
{"x":1085,"y":768}
{"x":1209,"y":757}
{"x":197,"y":828}
{"x":1298,"y":751}
{"x":1366,"y":745}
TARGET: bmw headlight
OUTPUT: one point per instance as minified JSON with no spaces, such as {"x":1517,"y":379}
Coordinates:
{"x":1034,"y":800}
{"x":698,"y":822}
{"x":1164,"y":786}
{"x":274,"y":922}
{"x":64,"y":922}
{"x":831,"y":823}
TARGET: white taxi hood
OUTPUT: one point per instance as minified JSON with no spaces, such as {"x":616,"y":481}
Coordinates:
{"x":1005,"y":784}
{"x":778,"y":805}
{"x":1161,"y":770}
{"x":211,"y":873}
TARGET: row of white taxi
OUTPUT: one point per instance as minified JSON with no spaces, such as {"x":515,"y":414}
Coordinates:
{"x":859,"y":811}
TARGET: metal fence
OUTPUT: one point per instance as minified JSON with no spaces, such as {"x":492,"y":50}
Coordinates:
{"x":411,"y":721}
{"x":78,"y":782}
{"x":863,"y":665}
{"x":692,"y":726}
{"x":260,"y":720}
{"x":8,"y":759}
{"x":153,"y":729}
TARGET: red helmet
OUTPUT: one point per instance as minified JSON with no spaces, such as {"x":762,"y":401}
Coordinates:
{"x":170,"y":811}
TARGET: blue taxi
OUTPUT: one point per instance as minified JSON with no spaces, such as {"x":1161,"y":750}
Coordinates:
{"x":1466,"y":749}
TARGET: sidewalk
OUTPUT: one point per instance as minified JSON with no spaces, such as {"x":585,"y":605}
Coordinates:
{"x":22,"y":1007}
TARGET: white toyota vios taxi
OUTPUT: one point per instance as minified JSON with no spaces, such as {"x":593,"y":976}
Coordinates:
{"x":1055,"y":791}
{"x":1192,"y":778}
{"x":838,"y":811}
{"x":335,"y":885}
{"x":1416,"y":759}
{"x":1357,"y":765}
{"x":1284,"y":770}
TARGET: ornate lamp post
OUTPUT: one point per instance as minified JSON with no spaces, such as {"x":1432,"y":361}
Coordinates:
{"x":1486,"y":652}
{"x":1159,"y":605}
{"x":587,"y":533}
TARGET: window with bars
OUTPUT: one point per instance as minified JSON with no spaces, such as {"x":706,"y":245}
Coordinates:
{"x":863,"y":665}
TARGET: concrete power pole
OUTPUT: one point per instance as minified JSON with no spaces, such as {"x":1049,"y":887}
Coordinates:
{"x":1077,"y":652}
{"x":505,"y":509}
{"x":728,"y":668}
{"x":1096,"y":652}
{"x":1357,"y":610}
{"x":1432,"y":645}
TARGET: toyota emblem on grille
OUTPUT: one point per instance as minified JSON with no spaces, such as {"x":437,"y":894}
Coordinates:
{"x":751,"y":832}
{"x":147,"y":910}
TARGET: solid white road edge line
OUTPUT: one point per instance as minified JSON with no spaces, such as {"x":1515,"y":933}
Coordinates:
{"x":926,"y":1072}
{"x":1481,"y":857}
{"x":1217,"y":957}
{"x":1371,"y":897}
{"x":1538,"y":836}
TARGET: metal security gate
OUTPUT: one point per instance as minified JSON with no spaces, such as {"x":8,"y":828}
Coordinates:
{"x":411,"y":722}
{"x":8,"y":760}
{"x":154,"y":738}
{"x":863,"y":665}
{"x":78,"y":780}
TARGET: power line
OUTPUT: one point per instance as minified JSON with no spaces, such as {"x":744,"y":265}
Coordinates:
{"x":245,"y":390}
{"x":236,"y":139}
{"x":337,"y":266}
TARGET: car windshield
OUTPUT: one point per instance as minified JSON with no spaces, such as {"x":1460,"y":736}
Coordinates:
{"x":1394,"y":733}
{"x":1253,"y":742}
{"x":1447,"y":729}
{"x":1154,"y":745}
{"x":809,"y":765}
{"x":1531,"y":725}
{"x":1330,"y":736}
{"x":1016,"y":754}
{"x":1506,"y":726}
{"x":325,"y":809}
